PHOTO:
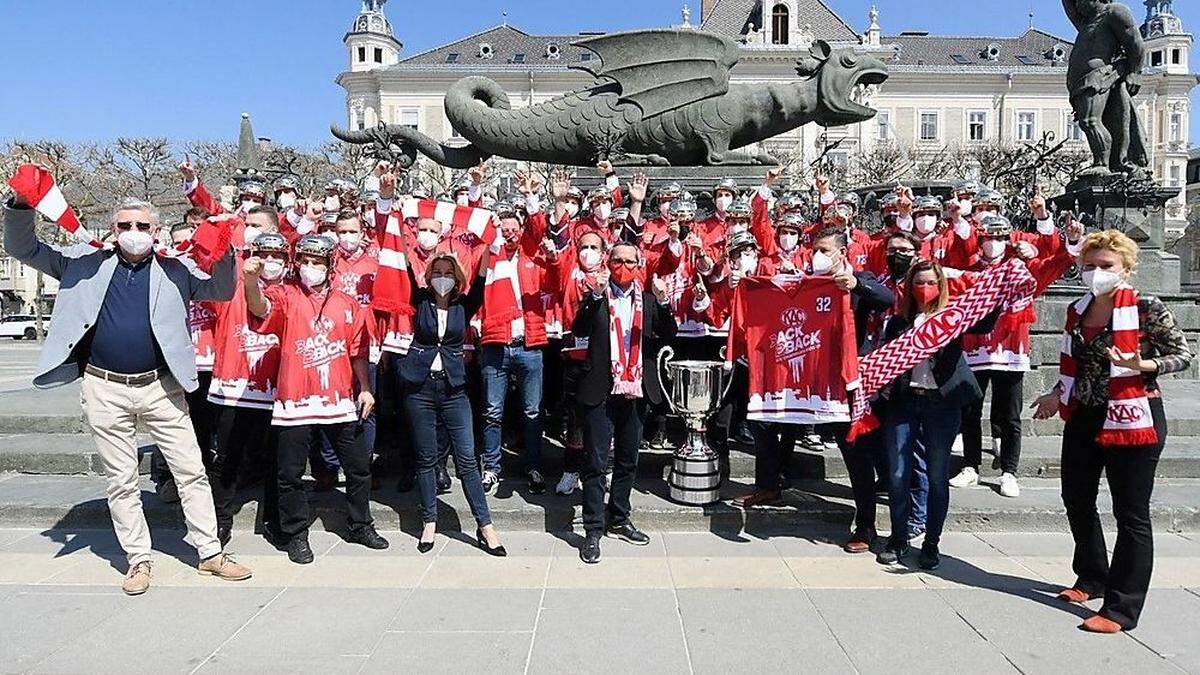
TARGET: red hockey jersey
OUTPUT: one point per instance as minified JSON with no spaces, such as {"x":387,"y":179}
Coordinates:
{"x":247,"y":363}
{"x":202,"y":319}
{"x":797,"y":336}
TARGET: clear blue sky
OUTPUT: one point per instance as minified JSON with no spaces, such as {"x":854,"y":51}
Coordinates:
{"x":93,"y":70}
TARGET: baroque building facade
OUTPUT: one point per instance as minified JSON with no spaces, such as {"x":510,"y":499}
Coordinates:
{"x":942,"y":91}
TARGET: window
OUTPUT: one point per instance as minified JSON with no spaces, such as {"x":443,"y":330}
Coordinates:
{"x":1176,"y":125}
{"x":1156,"y":58}
{"x":1074,"y":131}
{"x":960,"y":59}
{"x":779,"y":25}
{"x":977,"y":125}
{"x":1173,"y":172}
{"x":518,"y":58}
{"x":410,"y":118}
{"x":883,"y":121}
{"x":929,"y":126}
{"x":452,"y":57}
{"x":585,"y":56}
{"x":362,"y":54}
{"x":1176,"y":56}
{"x":1027,"y":60}
{"x":1026,"y":126}
{"x":379,"y":55}
{"x":360,"y":118}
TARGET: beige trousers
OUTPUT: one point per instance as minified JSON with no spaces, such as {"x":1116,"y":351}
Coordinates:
{"x":113,"y":411}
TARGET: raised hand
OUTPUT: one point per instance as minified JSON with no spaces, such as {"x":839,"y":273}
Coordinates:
{"x":773,"y":174}
{"x":694,"y":241}
{"x":560,"y":184}
{"x":1025,"y":251}
{"x":605,"y":167}
{"x":381,"y":168}
{"x":1075,"y":229}
{"x":477,"y":173}
{"x":822,"y":184}
{"x":638,"y":187}
{"x":387,"y":185}
{"x":186,"y":169}
{"x":252,"y":269}
{"x":1037,"y":204}
{"x":660,"y":289}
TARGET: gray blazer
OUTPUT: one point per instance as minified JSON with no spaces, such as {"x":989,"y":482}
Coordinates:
{"x":84,"y":274}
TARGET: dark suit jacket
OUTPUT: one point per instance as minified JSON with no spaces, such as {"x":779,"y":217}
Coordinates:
{"x":427,"y":344}
{"x":956,"y":382}
{"x":591,"y":321}
{"x":868,"y":297}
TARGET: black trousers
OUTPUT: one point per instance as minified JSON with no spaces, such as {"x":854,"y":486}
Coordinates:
{"x":1130,"y":473}
{"x":202,"y":414}
{"x":1008,"y":392}
{"x":238,"y":435}
{"x":860,"y":464}
{"x":774,"y":445}
{"x":618,"y":423}
{"x":355,"y":458}
{"x":573,"y":455}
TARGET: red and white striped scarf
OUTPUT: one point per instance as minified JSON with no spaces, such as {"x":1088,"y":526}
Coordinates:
{"x":1129,"y":421}
{"x":37,"y":187}
{"x":1006,"y":283}
{"x":627,"y":366}
{"x":393,"y":294}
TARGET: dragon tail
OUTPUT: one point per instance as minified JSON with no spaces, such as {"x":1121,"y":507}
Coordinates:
{"x":408,"y":142}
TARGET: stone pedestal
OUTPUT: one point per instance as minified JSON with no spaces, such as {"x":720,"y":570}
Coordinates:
{"x":1137,"y":209}
{"x":694,"y":179}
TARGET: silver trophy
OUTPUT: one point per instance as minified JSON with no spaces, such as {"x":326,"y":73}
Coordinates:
{"x":696,"y":391}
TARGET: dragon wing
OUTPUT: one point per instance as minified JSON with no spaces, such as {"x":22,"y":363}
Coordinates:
{"x":660,"y":70}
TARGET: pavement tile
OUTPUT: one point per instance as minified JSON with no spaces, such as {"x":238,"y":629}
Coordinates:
{"x":612,"y":572}
{"x":322,"y":543}
{"x":996,"y":573}
{"x":188,"y":624}
{"x":486,"y":572}
{"x":708,"y":545}
{"x":316,"y":622}
{"x":1169,"y":572}
{"x":621,"y":631}
{"x":35,"y":625}
{"x":428,"y":610}
{"x":1168,"y":626}
{"x":1030,"y":544}
{"x":1040,"y":635}
{"x":253,"y":663}
{"x":567,"y":545}
{"x":801,"y":547}
{"x":518,"y":544}
{"x":740,"y":572}
{"x":92,"y":570}
{"x":31,"y":568}
{"x":355,"y":571}
{"x":8,"y":537}
{"x":721,"y":625}
{"x":860,"y":571}
{"x":273,"y":571}
{"x":451,"y":653}
{"x":865,"y":623}
{"x":1175,"y":546}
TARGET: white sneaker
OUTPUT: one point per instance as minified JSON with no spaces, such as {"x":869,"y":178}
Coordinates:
{"x":490,"y":482}
{"x":568,"y":484}
{"x":1008,"y":485}
{"x":608,"y":482}
{"x":831,"y":446}
{"x":965,"y":478}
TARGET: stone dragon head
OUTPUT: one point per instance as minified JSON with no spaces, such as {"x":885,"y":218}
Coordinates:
{"x":838,"y":75}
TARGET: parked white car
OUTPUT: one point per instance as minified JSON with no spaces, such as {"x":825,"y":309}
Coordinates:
{"x":22,"y":326}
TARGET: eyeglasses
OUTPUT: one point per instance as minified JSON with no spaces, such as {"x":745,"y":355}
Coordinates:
{"x":628,"y":263}
{"x":126,"y":226}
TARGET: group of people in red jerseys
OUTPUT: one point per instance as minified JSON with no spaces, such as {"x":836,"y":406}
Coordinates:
{"x":299,"y":357}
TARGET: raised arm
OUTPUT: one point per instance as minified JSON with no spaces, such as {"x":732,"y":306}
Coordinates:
{"x":21,"y":242}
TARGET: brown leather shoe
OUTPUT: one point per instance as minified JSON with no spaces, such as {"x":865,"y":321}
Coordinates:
{"x":1074,"y":595}
{"x":1100,"y":624}
{"x":857,"y":546}
{"x":758,"y":498}
{"x":137,"y":580}
{"x":224,"y":567}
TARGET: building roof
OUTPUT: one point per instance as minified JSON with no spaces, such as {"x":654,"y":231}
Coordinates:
{"x":512,"y":48}
{"x":731,"y":19}
{"x":1028,"y":50}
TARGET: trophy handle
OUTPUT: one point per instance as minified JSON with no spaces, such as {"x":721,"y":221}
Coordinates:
{"x":728,"y":375}
{"x":665,"y":354}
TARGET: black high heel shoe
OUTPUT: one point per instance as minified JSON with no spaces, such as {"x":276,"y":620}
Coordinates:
{"x":425,"y":546}
{"x":499,"y":551}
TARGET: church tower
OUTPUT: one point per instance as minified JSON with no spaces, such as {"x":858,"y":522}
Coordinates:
{"x":1166,"y":41}
{"x":371,"y":42}
{"x":1168,"y":106}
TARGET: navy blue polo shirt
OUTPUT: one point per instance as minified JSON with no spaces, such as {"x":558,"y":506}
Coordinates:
{"x":123,"y":341}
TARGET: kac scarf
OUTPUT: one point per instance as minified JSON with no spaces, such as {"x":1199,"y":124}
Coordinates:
{"x":1128,"y":422}
{"x":626,"y":364}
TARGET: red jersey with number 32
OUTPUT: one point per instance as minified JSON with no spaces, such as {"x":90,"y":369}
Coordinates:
{"x":319,"y":334}
{"x":797,"y":336}
{"x":247,"y":363}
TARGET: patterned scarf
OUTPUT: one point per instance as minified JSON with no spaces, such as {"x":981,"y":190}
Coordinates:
{"x":1128,"y":422}
{"x":626,"y":365}
{"x":1006,"y":283}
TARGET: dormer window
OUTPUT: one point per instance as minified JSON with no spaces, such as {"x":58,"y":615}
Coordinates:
{"x":991,"y":52}
{"x":485,"y":51}
{"x":553,"y":51}
{"x":780,"y":24}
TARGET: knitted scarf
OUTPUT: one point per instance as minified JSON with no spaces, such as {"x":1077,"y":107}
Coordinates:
{"x":1128,"y":422}
{"x":626,"y":365}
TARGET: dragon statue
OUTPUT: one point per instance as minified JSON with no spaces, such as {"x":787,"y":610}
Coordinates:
{"x":660,"y":97}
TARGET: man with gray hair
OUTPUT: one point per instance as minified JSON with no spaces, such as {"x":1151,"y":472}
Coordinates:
{"x":121,"y":323}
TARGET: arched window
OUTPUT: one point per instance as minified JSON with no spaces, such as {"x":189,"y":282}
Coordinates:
{"x":779,"y":24}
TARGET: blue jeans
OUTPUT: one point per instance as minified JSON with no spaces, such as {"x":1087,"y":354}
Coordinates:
{"x":437,"y":404}
{"x":925,"y":427}
{"x":920,"y":493}
{"x":500,"y":364}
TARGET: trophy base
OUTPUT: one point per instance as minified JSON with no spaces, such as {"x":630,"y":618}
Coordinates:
{"x":695,"y":482}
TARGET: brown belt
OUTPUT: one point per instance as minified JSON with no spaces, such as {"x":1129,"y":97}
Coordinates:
{"x":138,"y":380}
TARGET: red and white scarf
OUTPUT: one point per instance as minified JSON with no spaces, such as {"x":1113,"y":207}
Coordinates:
{"x":1129,"y":421}
{"x":37,"y":187}
{"x":1006,"y":283}
{"x":626,"y":364}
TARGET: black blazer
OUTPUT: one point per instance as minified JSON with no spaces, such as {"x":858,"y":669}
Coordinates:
{"x":591,"y":321}
{"x":867,"y":298}
{"x":427,"y":344}
{"x":956,"y":383}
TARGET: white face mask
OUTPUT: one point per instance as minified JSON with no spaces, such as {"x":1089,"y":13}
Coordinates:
{"x":788,"y":242}
{"x":589,"y":258}
{"x":250,"y":234}
{"x":1101,"y":282}
{"x":312,"y":276}
{"x":821,"y":263}
{"x":462,"y":200}
{"x":272,"y":270}
{"x":135,"y":242}
{"x":286,"y":200}
{"x":925,"y":224}
{"x":905,"y":224}
{"x":332,"y":203}
{"x":571,"y":209}
{"x":748,"y":262}
{"x":349,"y":241}
{"x":442,"y":285}
{"x":604,"y":210}
{"x":427,"y":240}
{"x":738,"y":227}
{"x":994,"y":248}
{"x":665,"y":209}
{"x":723,"y":202}
{"x":246,"y":206}
{"x":965,"y":207}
